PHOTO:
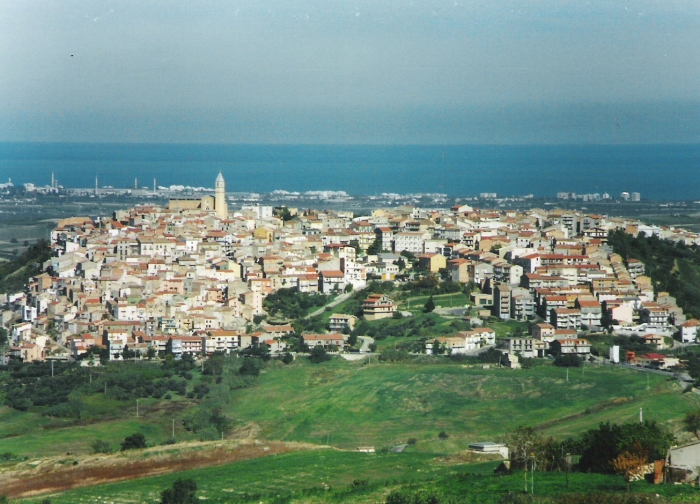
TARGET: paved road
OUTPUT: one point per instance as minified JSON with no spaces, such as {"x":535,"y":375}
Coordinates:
{"x":366,"y":342}
{"x":335,"y":302}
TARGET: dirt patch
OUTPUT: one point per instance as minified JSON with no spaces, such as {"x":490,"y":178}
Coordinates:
{"x":57,"y":474}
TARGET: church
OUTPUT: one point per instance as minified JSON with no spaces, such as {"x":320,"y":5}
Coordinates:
{"x":208,"y":203}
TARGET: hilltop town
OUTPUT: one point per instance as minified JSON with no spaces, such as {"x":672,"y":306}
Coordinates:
{"x":192,"y":277}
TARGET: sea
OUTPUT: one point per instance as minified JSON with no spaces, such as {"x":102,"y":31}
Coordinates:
{"x":657,"y":172}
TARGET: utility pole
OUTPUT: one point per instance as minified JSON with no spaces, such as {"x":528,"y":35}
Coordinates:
{"x":641,"y":417}
{"x":567,"y":375}
{"x":173,"y":428}
{"x":137,"y":408}
{"x":51,"y":369}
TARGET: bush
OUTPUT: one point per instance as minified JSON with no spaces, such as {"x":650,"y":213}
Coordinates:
{"x":250,"y":367}
{"x":182,"y":492}
{"x":134,"y":442}
{"x":412,"y":441}
{"x":568,"y":360}
{"x":318,"y":355}
{"x":100,"y":446}
{"x":288,"y":358}
{"x":443,"y":435}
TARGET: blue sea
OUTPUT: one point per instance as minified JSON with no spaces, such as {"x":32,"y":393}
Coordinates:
{"x":658,"y":172}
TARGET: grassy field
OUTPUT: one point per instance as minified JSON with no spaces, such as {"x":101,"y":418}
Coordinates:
{"x":349,"y":404}
{"x":335,"y":476}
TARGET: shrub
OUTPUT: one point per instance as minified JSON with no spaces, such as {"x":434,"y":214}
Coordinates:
{"x":568,"y":360}
{"x":412,"y":441}
{"x":443,"y":435}
{"x":134,"y":442}
{"x":250,"y":367}
{"x":288,"y":358}
{"x":100,"y":446}
{"x":183,"y":491}
{"x":318,"y":355}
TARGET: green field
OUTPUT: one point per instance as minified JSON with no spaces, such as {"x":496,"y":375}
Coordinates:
{"x":335,"y":476}
{"x":348,"y":404}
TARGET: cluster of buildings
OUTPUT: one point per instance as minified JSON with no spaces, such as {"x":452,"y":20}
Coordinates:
{"x":192,"y":276}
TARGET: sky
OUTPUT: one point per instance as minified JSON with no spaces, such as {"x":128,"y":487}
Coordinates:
{"x":350,"y":71}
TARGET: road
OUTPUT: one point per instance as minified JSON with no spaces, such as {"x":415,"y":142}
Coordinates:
{"x":366,"y":342}
{"x":333,"y":303}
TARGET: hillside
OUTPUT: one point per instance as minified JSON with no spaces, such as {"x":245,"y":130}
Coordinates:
{"x":673,"y":267}
{"x":348,"y":404}
{"x":15,"y":272}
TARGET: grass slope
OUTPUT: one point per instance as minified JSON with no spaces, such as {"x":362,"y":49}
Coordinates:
{"x":336,"y":476}
{"x":349,"y":404}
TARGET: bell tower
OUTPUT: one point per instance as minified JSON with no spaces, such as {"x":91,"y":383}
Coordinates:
{"x":220,"y":198}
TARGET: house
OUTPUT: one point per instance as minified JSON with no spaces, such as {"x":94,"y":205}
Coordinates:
{"x":432,"y":262}
{"x":27,"y":352}
{"x":327,"y":341}
{"x":565,"y":318}
{"x":657,"y":361}
{"x":342,"y":322}
{"x":449,"y":344}
{"x":654,"y":340}
{"x":526,"y":347}
{"x":219,"y":340}
{"x":580,"y":347}
{"x":683,"y":463}
{"x":501,"y":301}
{"x":459,"y":270}
{"x":544,"y":332}
{"x":180,"y":345}
{"x":378,"y":306}
{"x":654,"y":315}
{"x":486,"y":335}
{"x":689,"y":331}
{"x":591,"y":311}
{"x":331,"y":281}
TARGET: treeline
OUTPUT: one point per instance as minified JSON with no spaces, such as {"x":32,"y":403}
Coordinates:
{"x":15,"y":272}
{"x":292,"y":304}
{"x":66,"y":393}
{"x":673,"y":267}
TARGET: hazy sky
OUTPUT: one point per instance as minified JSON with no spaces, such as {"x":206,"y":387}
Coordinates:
{"x":350,"y":71}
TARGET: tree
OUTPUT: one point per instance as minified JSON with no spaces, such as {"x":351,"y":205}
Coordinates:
{"x":134,"y":442}
{"x":628,"y":464}
{"x":600,"y":447}
{"x":151,"y":353}
{"x":250,"y":367}
{"x":376,"y":247}
{"x":429,"y":306}
{"x":692,"y":422}
{"x":318,"y":355}
{"x":182,"y":492}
